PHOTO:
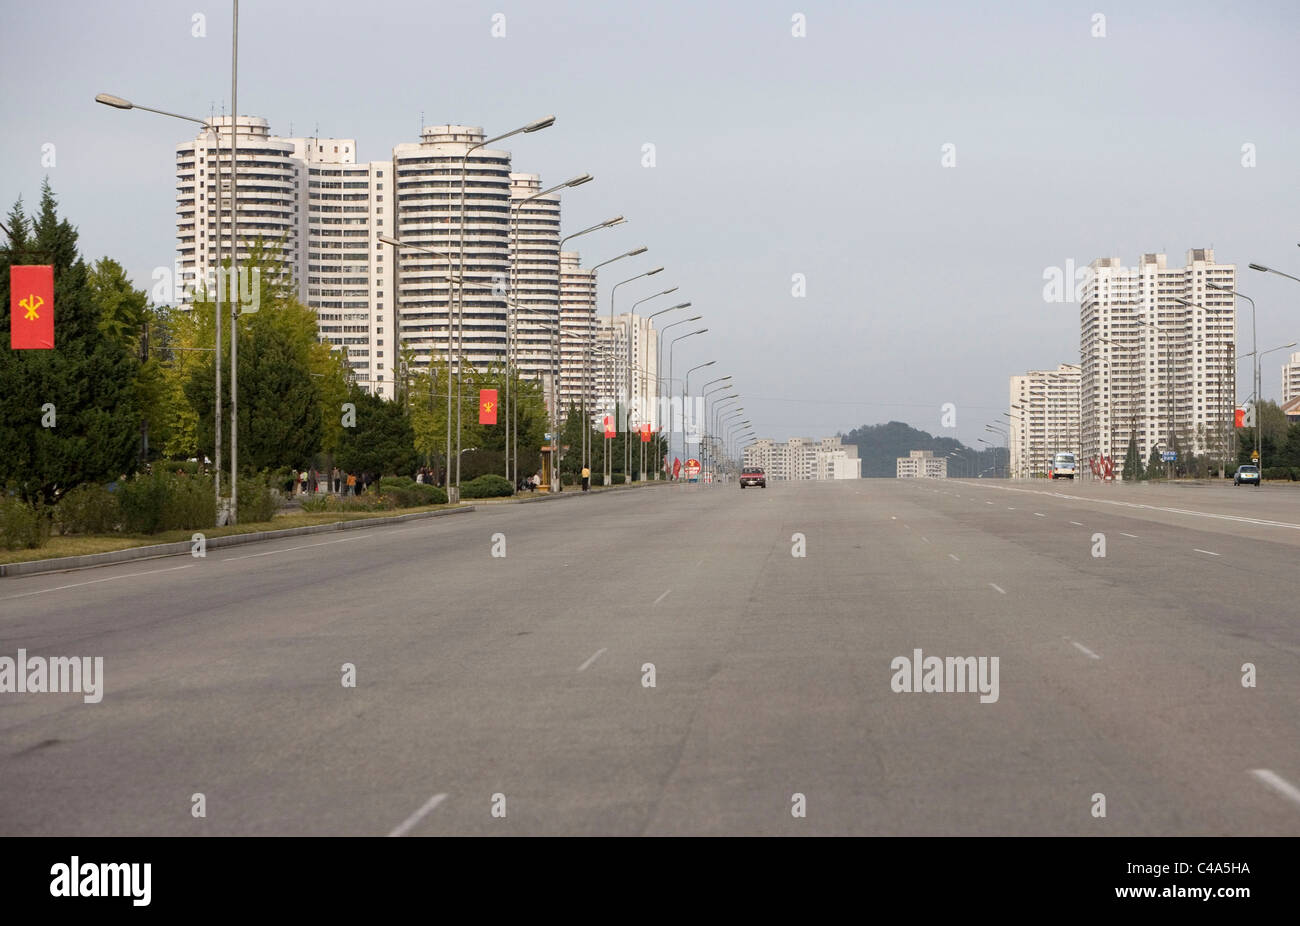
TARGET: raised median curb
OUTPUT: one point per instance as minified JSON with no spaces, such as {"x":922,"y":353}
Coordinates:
{"x":91,"y":560}
{"x":575,"y":491}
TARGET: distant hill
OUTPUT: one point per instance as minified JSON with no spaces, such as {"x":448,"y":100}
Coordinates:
{"x":880,"y":446}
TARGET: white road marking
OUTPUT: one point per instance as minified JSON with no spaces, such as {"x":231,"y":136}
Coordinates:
{"x":663,"y":596}
{"x":1278,"y":783}
{"x":998,"y":587}
{"x":988,"y":503}
{"x":418,"y":815}
{"x":1010,"y":508}
{"x":926,"y":539}
{"x":1207,"y":552}
{"x":129,"y":575}
{"x":1083,"y":649}
{"x":593,"y":658}
{"x":955,"y":559}
{"x":1077,"y":523}
{"x":1134,"y":536}
{"x":908,"y":526}
{"x":305,"y":546}
{"x":1039,"y":514}
{"x":1263,"y":522}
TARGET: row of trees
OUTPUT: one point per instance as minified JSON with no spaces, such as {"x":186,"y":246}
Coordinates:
{"x":1279,"y":444}
{"x":131,"y":384}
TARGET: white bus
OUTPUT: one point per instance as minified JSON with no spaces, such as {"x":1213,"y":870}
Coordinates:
{"x":1062,"y":466}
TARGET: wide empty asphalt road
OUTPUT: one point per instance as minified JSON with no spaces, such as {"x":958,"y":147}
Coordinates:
{"x":511,"y":694}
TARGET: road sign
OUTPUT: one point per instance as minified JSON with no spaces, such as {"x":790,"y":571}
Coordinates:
{"x":1169,"y":456}
{"x":1254,"y":455}
{"x":692,"y":468}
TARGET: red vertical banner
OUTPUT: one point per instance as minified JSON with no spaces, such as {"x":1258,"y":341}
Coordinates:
{"x":677,"y":467}
{"x":1238,"y":418}
{"x":609,"y":427}
{"x":487,"y":406}
{"x":645,"y":433}
{"x":31,"y":307}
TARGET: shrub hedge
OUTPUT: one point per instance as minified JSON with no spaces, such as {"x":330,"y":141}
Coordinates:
{"x":88,"y":509}
{"x":489,"y":485}
{"x":22,"y":526}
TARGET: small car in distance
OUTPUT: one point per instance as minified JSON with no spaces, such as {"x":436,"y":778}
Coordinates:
{"x":753,"y":476}
{"x":1247,"y":473}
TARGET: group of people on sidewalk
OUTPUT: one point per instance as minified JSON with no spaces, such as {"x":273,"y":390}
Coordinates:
{"x":336,"y":482}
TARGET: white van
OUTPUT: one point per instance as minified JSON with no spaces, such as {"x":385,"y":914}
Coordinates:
{"x":1062,"y":466}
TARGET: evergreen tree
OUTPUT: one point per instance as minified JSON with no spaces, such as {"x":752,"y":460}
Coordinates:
{"x":1155,"y":466}
{"x":1132,"y":471}
{"x":382,"y":443}
{"x":90,"y":380}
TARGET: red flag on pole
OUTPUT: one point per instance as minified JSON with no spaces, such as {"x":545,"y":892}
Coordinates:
{"x":31,"y":307}
{"x":487,"y":406}
{"x":645,"y":433}
{"x":609,"y":427}
{"x":677,"y":467}
{"x":1238,"y":418}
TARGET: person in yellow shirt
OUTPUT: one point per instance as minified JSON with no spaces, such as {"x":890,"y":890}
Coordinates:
{"x":586,"y":478}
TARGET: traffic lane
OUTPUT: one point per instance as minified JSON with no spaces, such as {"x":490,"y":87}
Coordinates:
{"x":1258,"y":519}
{"x":266,"y":693}
{"x":1230,"y":588}
{"x":1162,"y":701}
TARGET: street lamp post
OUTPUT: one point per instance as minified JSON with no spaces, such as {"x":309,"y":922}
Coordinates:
{"x":705,"y":392}
{"x":511,"y":334}
{"x":535,"y":126}
{"x":660,"y":379}
{"x":719,"y":418}
{"x":643,"y":327}
{"x":613,"y":373}
{"x":654,"y":410}
{"x":117,"y":102}
{"x":686,"y":387}
{"x":586,"y":358}
{"x":725,"y":424}
{"x":672,"y":344}
{"x":1254,"y":347}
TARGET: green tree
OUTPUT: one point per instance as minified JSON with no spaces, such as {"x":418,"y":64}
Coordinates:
{"x":1155,"y":466}
{"x":89,"y":379}
{"x":1290,"y":452}
{"x":291,"y":384}
{"x":1132,"y":471}
{"x":382,"y":443}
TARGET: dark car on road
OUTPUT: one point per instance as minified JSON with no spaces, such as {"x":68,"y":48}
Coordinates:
{"x":1249,"y":473}
{"x":753,"y":476}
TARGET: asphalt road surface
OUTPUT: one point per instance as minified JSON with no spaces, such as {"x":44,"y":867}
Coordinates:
{"x":509,"y":694}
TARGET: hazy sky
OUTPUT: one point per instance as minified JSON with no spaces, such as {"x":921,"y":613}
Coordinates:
{"x":776,"y":155}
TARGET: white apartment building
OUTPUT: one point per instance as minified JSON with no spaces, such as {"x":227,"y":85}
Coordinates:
{"x":349,"y":273}
{"x":309,"y":198}
{"x":626,"y":368}
{"x":428,"y":214}
{"x":1153,"y":366}
{"x":805,"y":458}
{"x":269,"y":179}
{"x":922,"y":464}
{"x":535,"y":286}
{"x":1044,"y":419}
{"x":1291,"y":378}
{"x":577,"y":329}
{"x":325,"y":211}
